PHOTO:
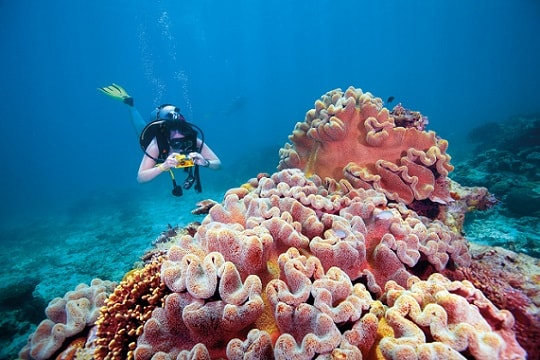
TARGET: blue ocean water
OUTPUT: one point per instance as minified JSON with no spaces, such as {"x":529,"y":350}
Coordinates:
{"x":245,"y":72}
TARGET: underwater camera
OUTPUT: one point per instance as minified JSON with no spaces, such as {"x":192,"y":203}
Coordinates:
{"x":183,"y":161}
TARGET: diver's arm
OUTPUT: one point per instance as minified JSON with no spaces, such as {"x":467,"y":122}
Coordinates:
{"x":206,"y":157}
{"x":148,"y":169}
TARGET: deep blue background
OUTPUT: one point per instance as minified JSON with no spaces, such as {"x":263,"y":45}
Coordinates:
{"x":245,"y":71}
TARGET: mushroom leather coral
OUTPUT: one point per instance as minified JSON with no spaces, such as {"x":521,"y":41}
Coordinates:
{"x":350,"y":135}
{"x":456,"y":315}
{"x":289,"y":268}
{"x":356,"y":229}
{"x":66,"y":317}
{"x":510,"y":281}
{"x":210,"y":305}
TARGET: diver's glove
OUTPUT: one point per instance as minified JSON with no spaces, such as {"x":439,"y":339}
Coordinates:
{"x":118,"y":93}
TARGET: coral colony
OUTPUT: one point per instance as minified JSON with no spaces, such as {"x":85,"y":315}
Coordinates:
{"x":352,"y":250}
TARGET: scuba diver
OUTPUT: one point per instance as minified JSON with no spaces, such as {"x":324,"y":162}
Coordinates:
{"x":168,"y":142}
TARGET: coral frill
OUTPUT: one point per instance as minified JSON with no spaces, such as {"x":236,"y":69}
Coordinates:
{"x":350,"y":135}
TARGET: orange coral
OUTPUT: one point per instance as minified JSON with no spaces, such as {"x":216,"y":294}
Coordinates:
{"x":126,"y":311}
{"x":349,"y":135}
{"x":70,"y":353}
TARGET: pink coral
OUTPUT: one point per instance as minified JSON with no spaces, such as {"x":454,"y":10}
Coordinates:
{"x":308,"y":328}
{"x":66,"y":317}
{"x":350,"y":135}
{"x":289,"y":269}
{"x":354,"y":228}
{"x":510,"y":281}
{"x":440,"y":319}
{"x":210,"y":305}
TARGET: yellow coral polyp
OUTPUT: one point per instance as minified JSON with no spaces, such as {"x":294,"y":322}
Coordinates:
{"x":266,"y":320}
{"x":383,"y":330}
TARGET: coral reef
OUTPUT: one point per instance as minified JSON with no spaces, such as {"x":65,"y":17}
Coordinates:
{"x":340,"y":254}
{"x":465,"y":199}
{"x":511,"y":282}
{"x":203,"y":207}
{"x":125,"y":312}
{"x":290,"y":268}
{"x":506,"y":161}
{"x":20,"y":308}
{"x":520,"y":132}
{"x":67,"y":317}
{"x":456,"y":315}
{"x":350,"y":135}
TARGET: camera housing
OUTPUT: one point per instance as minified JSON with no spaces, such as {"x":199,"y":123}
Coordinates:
{"x":183,"y":161}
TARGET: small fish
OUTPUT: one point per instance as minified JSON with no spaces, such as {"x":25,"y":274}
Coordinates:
{"x":390,"y":99}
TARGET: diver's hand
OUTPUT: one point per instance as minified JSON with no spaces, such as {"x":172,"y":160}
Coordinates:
{"x":198,"y":159}
{"x":170,"y":162}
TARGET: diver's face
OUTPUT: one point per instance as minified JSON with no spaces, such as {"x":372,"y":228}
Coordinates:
{"x":176,"y":140}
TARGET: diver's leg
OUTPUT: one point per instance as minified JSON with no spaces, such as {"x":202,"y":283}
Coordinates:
{"x":136,"y":120}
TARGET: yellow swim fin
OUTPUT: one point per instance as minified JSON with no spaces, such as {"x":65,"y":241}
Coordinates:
{"x":118,"y":93}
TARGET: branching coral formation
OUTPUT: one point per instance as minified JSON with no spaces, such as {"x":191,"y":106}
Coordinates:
{"x":335,"y":263}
